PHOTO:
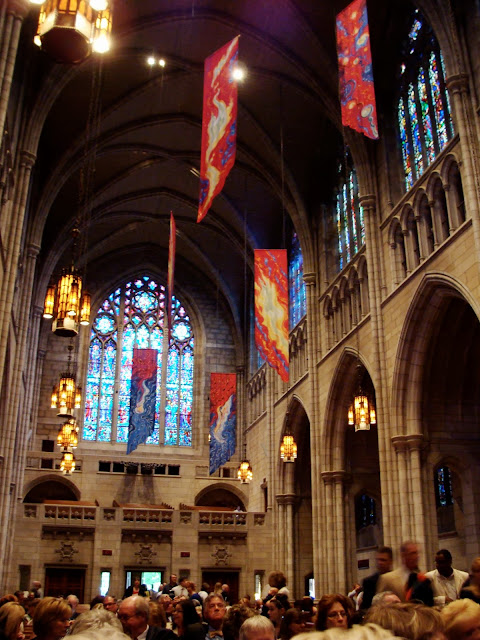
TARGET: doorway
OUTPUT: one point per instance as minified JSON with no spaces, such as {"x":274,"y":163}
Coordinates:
{"x":63,"y":582}
{"x":212,"y":576}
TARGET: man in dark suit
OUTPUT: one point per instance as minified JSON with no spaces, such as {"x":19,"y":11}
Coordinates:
{"x":407,"y":582}
{"x":168,"y":588}
{"x":133,"y":614}
{"x":384,"y":565}
{"x":214,"y":610}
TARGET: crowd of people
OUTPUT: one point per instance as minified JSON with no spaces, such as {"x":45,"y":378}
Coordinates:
{"x":443,"y":604}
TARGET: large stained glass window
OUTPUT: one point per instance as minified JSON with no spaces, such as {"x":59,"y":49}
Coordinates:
{"x":423,"y":108}
{"x":349,"y":219}
{"x":296,"y":286}
{"x":133,"y":316}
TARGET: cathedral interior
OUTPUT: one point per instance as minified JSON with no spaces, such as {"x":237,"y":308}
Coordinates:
{"x":383,"y":245}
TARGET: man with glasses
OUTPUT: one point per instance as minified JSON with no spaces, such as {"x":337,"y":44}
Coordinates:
{"x":110,"y":604}
{"x":133,"y":613}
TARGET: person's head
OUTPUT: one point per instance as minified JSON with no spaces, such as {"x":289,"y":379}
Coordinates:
{"x":363,"y":632}
{"x":185,"y":613}
{"x":20,"y":596}
{"x":173,"y":578}
{"x":475,"y":571}
{"x":409,"y":554}
{"x":73,"y":601}
{"x":276,"y":610}
{"x":462,"y":620}
{"x":334,"y":610}
{"x":443,"y":562}
{"x":292,"y":624}
{"x":110,"y":604}
{"x":214,"y":609}
{"x":11,"y":621}
{"x":384,"y":559}
{"x":406,"y":619}
{"x":225,"y":588}
{"x":97,"y":600}
{"x":51,"y":618}
{"x":385,"y":597}
{"x":96,"y":619}
{"x":9,"y":597}
{"x":234,"y":619}
{"x":277,"y":579}
{"x":166,"y":602}
{"x":133,"y":613}
{"x":136,"y":582}
{"x":157,"y":617}
{"x":110,"y":632}
{"x":257,"y":628}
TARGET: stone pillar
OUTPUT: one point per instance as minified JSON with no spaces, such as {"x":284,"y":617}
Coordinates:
{"x":415,"y":444}
{"x":459,"y":90}
{"x":328,"y":583}
{"x":376,"y":284}
{"x":338,"y":480}
{"x":11,"y":22}
{"x":402,"y":491}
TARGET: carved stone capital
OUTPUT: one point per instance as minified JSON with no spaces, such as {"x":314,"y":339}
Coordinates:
{"x":310,"y":279}
{"x":399,"y":443}
{"x":368,"y":202}
{"x":18,"y":8}
{"x":458,"y":83}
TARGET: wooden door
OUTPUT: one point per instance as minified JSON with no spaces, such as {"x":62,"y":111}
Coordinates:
{"x":63,"y":582}
{"x":211,"y":576}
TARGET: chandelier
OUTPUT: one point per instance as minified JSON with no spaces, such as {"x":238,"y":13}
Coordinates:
{"x":361,"y":412}
{"x":245,"y":472}
{"x":69,"y":30}
{"x":65,"y":303}
{"x":66,"y":395}
{"x":67,"y":464}
{"x":288,"y":448}
{"x":67,"y":437}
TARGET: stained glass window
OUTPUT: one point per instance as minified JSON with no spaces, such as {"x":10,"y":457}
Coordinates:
{"x":365,"y":511}
{"x":349,"y":218}
{"x":133,"y":317}
{"x":297,"y":291}
{"x":423,"y":109}
{"x":443,"y":486}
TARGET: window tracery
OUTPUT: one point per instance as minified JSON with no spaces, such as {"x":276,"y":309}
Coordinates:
{"x":133,"y":316}
{"x":349,"y":220}
{"x":423,"y":108}
{"x":296,"y":285}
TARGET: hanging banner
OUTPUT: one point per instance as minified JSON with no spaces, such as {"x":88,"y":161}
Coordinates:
{"x":271,"y":308}
{"x":219,"y":124}
{"x":142,"y":397}
{"x":357,"y":92}
{"x":170,"y":309}
{"x":223,"y":418}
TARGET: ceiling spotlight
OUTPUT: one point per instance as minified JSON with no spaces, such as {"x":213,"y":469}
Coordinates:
{"x":238,"y":73}
{"x":151,"y":61}
{"x":37,"y":1}
{"x":161,"y":62}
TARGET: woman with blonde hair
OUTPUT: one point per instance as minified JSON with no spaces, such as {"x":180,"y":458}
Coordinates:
{"x":11,"y":621}
{"x":462,"y":620}
{"x":51,"y":619}
{"x":471,"y":589}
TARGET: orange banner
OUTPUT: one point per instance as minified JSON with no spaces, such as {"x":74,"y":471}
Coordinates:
{"x":271,"y":308}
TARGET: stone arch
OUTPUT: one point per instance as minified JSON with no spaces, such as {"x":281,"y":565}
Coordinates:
{"x":221,"y":494}
{"x":439,"y":209}
{"x":426,"y":309}
{"x":428,"y":237}
{"x":54,"y":486}
{"x":455,"y":196}
{"x":399,"y":256}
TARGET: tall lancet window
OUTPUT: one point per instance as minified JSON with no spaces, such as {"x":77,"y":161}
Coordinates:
{"x":349,"y":220}
{"x":133,"y":316}
{"x":296,"y":286}
{"x":423,"y":108}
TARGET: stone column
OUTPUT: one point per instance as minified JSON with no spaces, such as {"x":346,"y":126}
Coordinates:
{"x":415,"y":444}
{"x":11,"y":23}
{"x":338,"y":479}
{"x":402,"y":491}
{"x":328,"y":583}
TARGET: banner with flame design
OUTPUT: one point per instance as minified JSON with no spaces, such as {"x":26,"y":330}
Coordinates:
{"x":271,"y":308}
{"x":142,"y":397}
{"x":219,"y":124}
{"x":170,"y":310}
{"x":223,"y":418}
{"x":357,"y":91}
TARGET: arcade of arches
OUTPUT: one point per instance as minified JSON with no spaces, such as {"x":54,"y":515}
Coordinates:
{"x":384,"y":239}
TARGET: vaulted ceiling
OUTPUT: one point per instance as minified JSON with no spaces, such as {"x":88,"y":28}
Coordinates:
{"x":144,"y":156}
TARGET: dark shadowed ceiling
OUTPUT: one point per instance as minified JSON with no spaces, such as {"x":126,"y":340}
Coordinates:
{"x":144,"y":156}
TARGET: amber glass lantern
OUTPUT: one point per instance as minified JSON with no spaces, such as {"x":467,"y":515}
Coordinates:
{"x":67,"y":437}
{"x":288,"y":448}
